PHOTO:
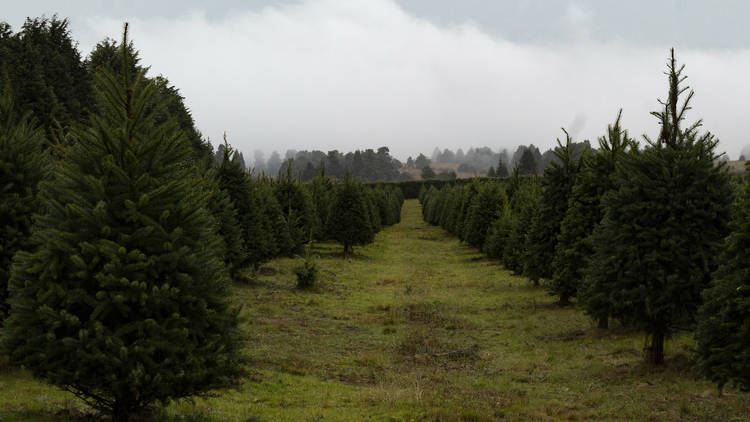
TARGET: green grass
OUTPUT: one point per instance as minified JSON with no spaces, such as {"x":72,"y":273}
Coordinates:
{"x":420,"y":327}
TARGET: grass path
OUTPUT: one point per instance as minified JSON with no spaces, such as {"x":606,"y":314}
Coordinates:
{"x":420,"y":327}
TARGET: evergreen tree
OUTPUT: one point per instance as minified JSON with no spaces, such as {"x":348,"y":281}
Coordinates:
{"x":274,"y":223}
{"x":524,"y":204}
{"x":309,"y":172}
{"x":467,"y":195}
{"x":499,"y":232}
{"x":557,"y":182}
{"x":167,"y":103}
{"x":372,"y":209}
{"x":658,"y":241}
{"x":22,"y":164}
{"x":257,"y":242}
{"x":437,"y":202}
{"x":723,"y":332}
{"x":421,"y":161}
{"x":349,"y":221}
{"x":428,"y":173}
{"x":273,"y":165}
{"x":584,"y":213}
{"x":297,"y":207}
{"x":321,"y":190}
{"x":491,"y":172}
{"x":47,"y":74}
{"x":396,"y":196}
{"x":422,"y":193}
{"x":482,"y":212}
{"x":527,"y":164}
{"x":502,"y":169}
{"x":222,"y":208}
{"x":448,"y":213}
{"x":123,"y":298}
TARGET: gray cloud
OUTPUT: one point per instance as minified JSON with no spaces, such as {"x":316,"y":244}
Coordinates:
{"x":336,"y":74}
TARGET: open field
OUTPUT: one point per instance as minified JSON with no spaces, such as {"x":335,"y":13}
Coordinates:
{"x":420,"y":327}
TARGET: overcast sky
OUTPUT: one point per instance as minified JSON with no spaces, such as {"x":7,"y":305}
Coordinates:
{"x":415,"y":74}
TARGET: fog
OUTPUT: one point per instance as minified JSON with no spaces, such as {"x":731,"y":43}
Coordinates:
{"x":345,"y":75}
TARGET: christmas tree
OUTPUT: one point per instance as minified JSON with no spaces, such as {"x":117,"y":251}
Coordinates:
{"x":123,"y":297}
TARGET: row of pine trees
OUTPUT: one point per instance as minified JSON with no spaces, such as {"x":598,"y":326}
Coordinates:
{"x":119,"y":241}
{"x":642,"y":234}
{"x":262,"y":218}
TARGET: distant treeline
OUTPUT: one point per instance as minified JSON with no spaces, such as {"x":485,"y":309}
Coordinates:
{"x":485,"y":161}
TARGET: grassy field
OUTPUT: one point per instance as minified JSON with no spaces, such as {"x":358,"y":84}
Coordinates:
{"x":419,"y":327}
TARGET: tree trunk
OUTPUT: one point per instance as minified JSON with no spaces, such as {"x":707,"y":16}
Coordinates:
{"x":656,"y":350}
{"x":564,"y":300}
{"x":603,"y":323}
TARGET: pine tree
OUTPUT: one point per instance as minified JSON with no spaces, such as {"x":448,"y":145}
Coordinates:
{"x":491,"y":172}
{"x":222,"y":208}
{"x":482,"y":212}
{"x":658,"y":241}
{"x":372,"y":209}
{"x":48,"y":76}
{"x":396,"y":196}
{"x":349,"y":221}
{"x":467,"y":195}
{"x":274,"y":223}
{"x":557,"y":183}
{"x":321,"y":190}
{"x":22,"y":165}
{"x":524,"y":203}
{"x":167,"y":103}
{"x":309,"y":172}
{"x":438,"y":205}
{"x":723,"y":331}
{"x":499,"y":232}
{"x":502,"y":169}
{"x":422,"y":193}
{"x":297,"y":207}
{"x":123,"y":298}
{"x":584,"y":213}
{"x":527,"y":164}
{"x":448,"y":214}
{"x":428,"y":173}
{"x":257,"y":242}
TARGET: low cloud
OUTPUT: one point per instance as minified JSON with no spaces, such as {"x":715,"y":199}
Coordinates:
{"x":342,"y":75}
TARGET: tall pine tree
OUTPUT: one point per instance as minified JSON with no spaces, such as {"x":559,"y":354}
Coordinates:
{"x":257,"y":242}
{"x":123,"y":298}
{"x":524,"y":202}
{"x":297,"y":207}
{"x":657,"y":244}
{"x":483,"y":210}
{"x":584,"y":213}
{"x":557,"y":183}
{"x":349,"y":221}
